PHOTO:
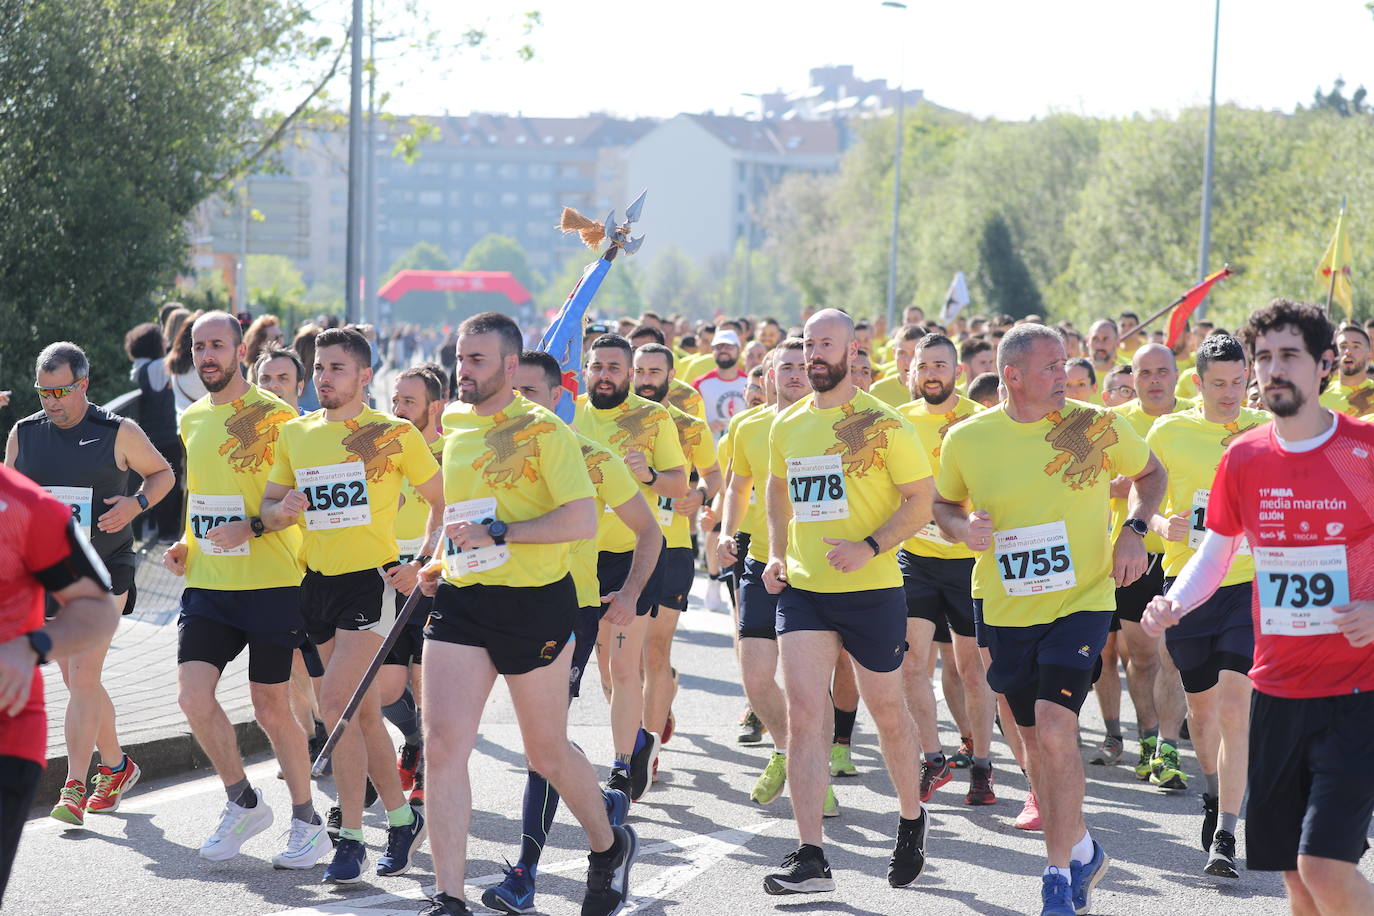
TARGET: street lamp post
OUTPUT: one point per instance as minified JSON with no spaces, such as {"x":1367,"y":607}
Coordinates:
{"x":353,"y":258}
{"x":896,"y":177}
{"x":1205,"y":230}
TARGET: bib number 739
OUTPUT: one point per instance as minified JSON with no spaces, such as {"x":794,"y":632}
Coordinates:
{"x":1298,"y":586}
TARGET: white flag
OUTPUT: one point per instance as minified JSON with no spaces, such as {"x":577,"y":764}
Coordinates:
{"x":955,"y":299}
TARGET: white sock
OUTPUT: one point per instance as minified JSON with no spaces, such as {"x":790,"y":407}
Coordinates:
{"x":1083,"y":850}
{"x":713,"y":588}
{"x":780,"y":750}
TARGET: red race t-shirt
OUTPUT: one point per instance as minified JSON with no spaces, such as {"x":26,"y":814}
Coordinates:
{"x":1309,"y":517}
{"x":33,"y":540}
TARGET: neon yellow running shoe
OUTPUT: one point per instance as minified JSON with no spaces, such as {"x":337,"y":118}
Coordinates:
{"x":1147,"y":754}
{"x":831,"y":808}
{"x":840,"y":762}
{"x":1164,"y":769}
{"x":771,"y":780}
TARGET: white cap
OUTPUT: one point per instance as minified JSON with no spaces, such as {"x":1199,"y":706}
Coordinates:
{"x":725,"y":338}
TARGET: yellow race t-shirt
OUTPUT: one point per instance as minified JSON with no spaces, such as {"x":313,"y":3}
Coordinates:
{"x":695,"y":438}
{"x":1141,"y":422}
{"x":1354,"y":402}
{"x":413,"y":515}
{"x":351,"y":472}
{"x":752,"y":456}
{"x":753,"y":522}
{"x":891,"y":390}
{"x":1045,"y":485}
{"x":614,"y":486}
{"x":230,"y":451}
{"x":686,"y":398}
{"x":931,"y":429}
{"x":842,"y":467}
{"x":636,"y":423}
{"x":1190,"y":448}
{"x":519,"y":463}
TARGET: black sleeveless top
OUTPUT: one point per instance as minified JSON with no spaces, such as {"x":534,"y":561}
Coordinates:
{"x":157,"y":412}
{"x":83,"y":456}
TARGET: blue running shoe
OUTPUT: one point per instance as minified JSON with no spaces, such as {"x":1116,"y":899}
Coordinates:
{"x":515,"y":893}
{"x":1085,"y":876}
{"x":349,"y":858}
{"x":617,"y":806}
{"x":400,"y":843}
{"x":1056,"y":895}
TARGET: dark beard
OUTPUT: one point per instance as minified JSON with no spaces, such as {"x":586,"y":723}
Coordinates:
{"x":726,"y":362}
{"x":1288,"y":408}
{"x":834,"y":374}
{"x":936,"y":400}
{"x":651,"y":393}
{"x":480,"y":394}
{"x":224,"y":379}
{"x":607,"y":401}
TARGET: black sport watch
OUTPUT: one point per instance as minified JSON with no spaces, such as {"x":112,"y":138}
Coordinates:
{"x":142,"y":501}
{"x":497,"y":530}
{"x":1137,"y":525}
{"x":259,"y":529}
{"x":41,"y":643}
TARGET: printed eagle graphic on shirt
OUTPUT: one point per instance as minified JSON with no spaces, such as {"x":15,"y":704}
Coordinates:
{"x":1082,"y":439}
{"x":684,"y":399}
{"x":1362,"y":399}
{"x":688,"y":433}
{"x":512,"y":449}
{"x":951,"y":419}
{"x":595,"y":457}
{"x":373,"y":444}
{"x":637,"y":428}
{"x":863,"y":439}
{"x":1233,"y":430}
{"x":253,"y":429}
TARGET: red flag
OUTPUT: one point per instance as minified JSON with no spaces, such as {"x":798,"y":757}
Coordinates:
{"x":1188,"y":303}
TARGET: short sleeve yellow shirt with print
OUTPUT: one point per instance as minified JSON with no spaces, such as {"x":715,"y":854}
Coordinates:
{"x":1141,"y":422}
{"x":230,"y":451}
{"x":1354,"y":402}
{"x":517,"y":464}
{"x":1190,"y":447}
{"x":1052,"y":477}
{"x":686,"y":398}
{"x":753,"y":523}
{"x":700,"y":450}
{"x":842,"y":467}
{"x":931,"y":429}
{"x":635,"y":423}
{"x":891,"y":390}
{"x":614,"y":486}
{"x":413,"y":515}
{"x":351,"y":472}
{"x":752,"y":458}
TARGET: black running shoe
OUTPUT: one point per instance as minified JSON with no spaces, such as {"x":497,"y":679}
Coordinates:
{"x":642,"y":765}
{"x":619,"y":780}
{"x":1223,"y":860}
{"x":333,"y":823}
{"x":608,"y":883}
{"x":444,"y":905}
{"x":909,"y":855}
{"x":1209,"y":820}
{"x":750,"y":729}
{"x":805,"y":871}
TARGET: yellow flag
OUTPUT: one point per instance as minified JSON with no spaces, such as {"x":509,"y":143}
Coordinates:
{"x":1336,"y":263}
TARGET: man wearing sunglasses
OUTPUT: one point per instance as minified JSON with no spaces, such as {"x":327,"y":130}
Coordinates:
{"x":82,"y":454}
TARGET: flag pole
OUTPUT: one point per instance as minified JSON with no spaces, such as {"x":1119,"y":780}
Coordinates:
{"x":1168,"y":308}
{"x":1331,"y":288}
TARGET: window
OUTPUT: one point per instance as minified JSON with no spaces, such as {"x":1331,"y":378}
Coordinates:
{"x":429,"y":167}
{"x":481,"y":198}
{"x":509,"y":199}
{"x":508,"y":227}
{"x":481,"y":169}
{"x":743,"y":171}
{"x":540,"y":171}
{"x":455,"y":227}
{"x":571,"y":170}
{"x":455,"y":198}
{"x":429,"y":227}
{"x":431,"y":198}
{"x":400,"y":225}
{"x":455,"y":170}
{"x":540,"y":200}
{"x":509,"y":170}
{"x":480,"y":227}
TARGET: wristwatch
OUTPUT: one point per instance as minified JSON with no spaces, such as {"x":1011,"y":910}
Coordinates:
{"x":653,"y":477}
{"x":497,"y":531}
{"x":41,"y":643}
{"x":142,"y":501}
{"x":423,"y":559}
{"x":259,"y":529}
{"x":871,"y":541}
{"x":1137,"y":525}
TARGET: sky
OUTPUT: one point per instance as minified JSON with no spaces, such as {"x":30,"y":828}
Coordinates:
{"x":989,"y":58}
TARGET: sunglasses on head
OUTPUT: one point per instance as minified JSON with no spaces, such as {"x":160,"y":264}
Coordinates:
{"x":55,"y":393}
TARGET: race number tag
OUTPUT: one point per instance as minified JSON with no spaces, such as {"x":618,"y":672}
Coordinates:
{"x":1297,"y":588}
{"x":931,"y":532}
{"x":206,"y":512}
{"x":463,"y":562}
{"x":665,"y":511}
{"x":816,"y":487}
{"x":78,"y":499}
{"x":337,"y":495}
{"x":410,"y":548}
{"x":1034,"y":560}
{"x":1197,"y":523}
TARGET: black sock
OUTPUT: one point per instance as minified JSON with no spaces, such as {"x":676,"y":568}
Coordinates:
{"x":911,"y":823}
{"x":844,"y":724}
{"x":405,"y":715}
{"x":247,"y":798}
{"x":609,"y":855}
{"x":540,"y":806}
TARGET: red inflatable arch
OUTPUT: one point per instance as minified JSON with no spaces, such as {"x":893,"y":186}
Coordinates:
{"x":455,"y":281}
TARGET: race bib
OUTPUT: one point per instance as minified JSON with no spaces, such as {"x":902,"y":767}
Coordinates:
{"x":1034,"y":560}
{"x":465,"y":562}
{"x":931,"y":532}
{"x":206,"y":512}
{"x":78,"y":499}
{"x":1297,"y":588}
{"x":337,"y":496}
{"x":665,"y":511}
{"x":1198,"y":526}
{"x":410,"y":548}
{"x":816,"y":487}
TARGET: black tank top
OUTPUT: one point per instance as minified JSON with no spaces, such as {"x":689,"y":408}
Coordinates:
{"x":156,"y":410}
{"x":80,"y":457}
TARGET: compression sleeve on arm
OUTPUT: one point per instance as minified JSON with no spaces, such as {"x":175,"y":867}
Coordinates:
{"x":1204,"y":572}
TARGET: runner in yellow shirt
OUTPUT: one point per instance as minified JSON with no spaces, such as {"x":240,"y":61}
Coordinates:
{"x":1213,"y":647}
{"x":1352,"y":391}
{"x":242,"y":592}
{"x":1045,"y":569}
{"x":342,"y":467}
{"x":848,"y":483}
{"x":518,"y":496}
{"x":642,"y":435}
{"x":892,"y":388}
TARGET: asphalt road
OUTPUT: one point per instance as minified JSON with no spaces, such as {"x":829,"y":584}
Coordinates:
{"x":705,"y":847}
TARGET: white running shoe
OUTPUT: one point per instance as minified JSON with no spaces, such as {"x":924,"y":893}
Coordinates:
{"x":236,"y":826}
{"x":305,"y":846}
{"x":713,"y":600}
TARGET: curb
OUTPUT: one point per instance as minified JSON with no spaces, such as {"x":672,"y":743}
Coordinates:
{"x":159,"y":757}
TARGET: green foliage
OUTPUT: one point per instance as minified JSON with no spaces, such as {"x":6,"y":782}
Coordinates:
{"x":496,"y":252}
{"x":1003,"y":275}
{"x":619,"y":293}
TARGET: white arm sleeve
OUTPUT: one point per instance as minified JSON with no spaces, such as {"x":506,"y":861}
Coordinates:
{"x":1204,"y":572}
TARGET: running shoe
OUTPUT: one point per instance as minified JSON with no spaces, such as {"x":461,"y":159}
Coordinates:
{"x":333,"y":823}
{"x":350,"y":858}
{"x":804,"y":871}
{"x":841,"y":764}
{"x":1147,"y":753}
{"x":618,"y":781}
{"x":407,"y":765}
{"x":1029,"y":818}
{"x":770,"y":781}
{"x":641,"y":764}
{"x":608,"y":885}
{"x":831,"y":806}
{"x":1056,"y":895}
{"x":963,"y":758}
{"x":400,"y":843}
{"x":1109,"y":752}
{"x":750,"y":729}
{"x":1164,"y":769}
{"x":1084,"y":876}
{"x":71,"y":803}
{"x":444,"y":905}
{"x":1209,"y":820}
{"x":236,"y":825}
{"x":1223,"y":859}
{"x":417,"y":793}
{"x":617,"y":806}
{"x":933,"y":777}
{"x":980,"y":787}
{"x":108,"y":787}
{"x":515,"y":893}
{"x":306,"y":844}
{"x":909,"y":855}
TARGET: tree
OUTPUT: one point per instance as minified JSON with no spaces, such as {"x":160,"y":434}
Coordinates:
{"x":496,"y":252}
{"x":1002,"y":274}
{"x":619,"y":293}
